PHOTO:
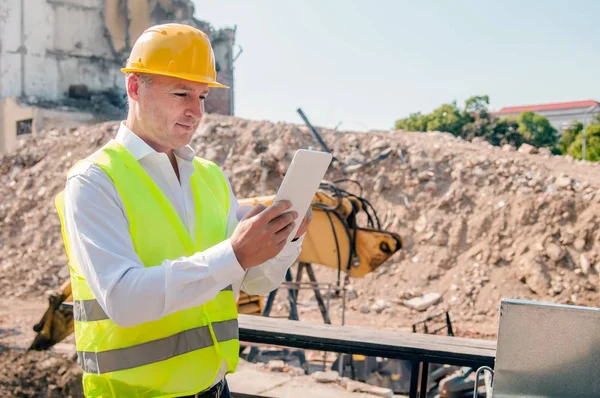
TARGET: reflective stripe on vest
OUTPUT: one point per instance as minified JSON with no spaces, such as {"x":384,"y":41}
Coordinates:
{"x":158,"y":350}
{"x":181,"y":353}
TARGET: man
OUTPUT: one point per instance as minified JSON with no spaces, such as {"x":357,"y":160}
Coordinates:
{"x":158,"y":246}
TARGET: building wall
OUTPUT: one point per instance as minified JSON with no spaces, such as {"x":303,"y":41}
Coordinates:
{"x":562,"y":118}
{"x":48,"y":45}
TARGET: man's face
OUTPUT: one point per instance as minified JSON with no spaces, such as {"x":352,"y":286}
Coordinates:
{"x":169,"y":109}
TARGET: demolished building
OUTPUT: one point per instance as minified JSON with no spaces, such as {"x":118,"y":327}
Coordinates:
{"x":60,"y":60}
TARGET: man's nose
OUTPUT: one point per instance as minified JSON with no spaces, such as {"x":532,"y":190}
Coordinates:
{"x":195,"y":109}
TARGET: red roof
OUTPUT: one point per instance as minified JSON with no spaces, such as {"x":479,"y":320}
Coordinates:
{"x":548,"y":107}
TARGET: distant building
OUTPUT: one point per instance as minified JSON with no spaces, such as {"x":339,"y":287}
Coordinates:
{"x":560,"y":114}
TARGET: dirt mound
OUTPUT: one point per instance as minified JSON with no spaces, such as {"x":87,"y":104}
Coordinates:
{"x":38,"y":374}
{"x":480,"y":223}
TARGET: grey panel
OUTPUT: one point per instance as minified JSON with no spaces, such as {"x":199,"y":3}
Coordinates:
{"x":547,"y":350}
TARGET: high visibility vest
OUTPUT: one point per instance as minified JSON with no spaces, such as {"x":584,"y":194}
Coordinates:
{"x":181,"y":353}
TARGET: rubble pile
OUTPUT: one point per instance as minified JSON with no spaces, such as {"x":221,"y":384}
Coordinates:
{"x":479,"y":222}
{"x":38,"y":374}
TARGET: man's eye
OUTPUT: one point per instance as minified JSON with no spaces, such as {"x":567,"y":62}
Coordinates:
{"x":180,"y":94}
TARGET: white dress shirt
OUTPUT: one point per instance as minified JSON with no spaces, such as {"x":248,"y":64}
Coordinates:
{"x":131,"y":293}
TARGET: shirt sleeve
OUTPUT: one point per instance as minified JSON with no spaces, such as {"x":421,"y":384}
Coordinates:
{"x":129,"y":292}
{"x":266,"y":277}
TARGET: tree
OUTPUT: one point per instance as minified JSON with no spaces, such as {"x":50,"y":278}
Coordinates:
{"x":414,"y":122}
{"x":536,"y":130}
{"x":569,"y":136}
{"x":592,"y":152}
{"x":446,"y":118}
{"x":477,"y":104}
{"x":506,"y":131}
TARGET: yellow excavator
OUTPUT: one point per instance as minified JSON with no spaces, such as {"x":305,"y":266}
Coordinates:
{"x":334,"y":239}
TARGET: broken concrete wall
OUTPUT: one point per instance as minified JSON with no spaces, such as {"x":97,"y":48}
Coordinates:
{"x":221,"y":100}
{"x":47,"y":46}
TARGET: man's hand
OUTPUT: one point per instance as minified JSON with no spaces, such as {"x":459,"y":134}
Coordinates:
{"x":262,"y":233}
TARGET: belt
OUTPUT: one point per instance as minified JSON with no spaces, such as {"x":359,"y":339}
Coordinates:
{"x":215,"y":391}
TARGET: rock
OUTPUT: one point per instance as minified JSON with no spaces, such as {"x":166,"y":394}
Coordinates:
{"x":554,"y":251}
{"x":365,"y":310}
{"x":529,"y":149}
{"x":421,"y":224}
{"x":584,"y":263}
{"x":533,"y":272}
{"x":425,"y":176}
{"x":423,"y":302}
{"x":563,"y":182}
{"x":550,"y":189}
{"x":351,"y":293}
{"x":276,"y":365}
{"x":508,"y":148}
{"x":277,"y":149}
{"x":579,"y":244}
{"x":330,"y":376}
{"x":546,"y":152}
{"x":380,"y":305}
{"x":210,"y":154}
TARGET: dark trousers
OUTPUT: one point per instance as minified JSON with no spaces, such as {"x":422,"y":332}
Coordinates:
{"x":226,"y":393}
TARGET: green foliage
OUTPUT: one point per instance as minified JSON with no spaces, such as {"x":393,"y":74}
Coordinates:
{"x":569,"y":136}
{"x":474,"y":120}
{"x":414,"y":122}
{"x":477,"y":103}
{"x":574,"y":141}
{"x":536,"y":130}
{"x":446,"y":118}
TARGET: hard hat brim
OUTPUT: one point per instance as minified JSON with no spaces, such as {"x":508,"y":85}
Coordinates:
{"x":183,"y":76}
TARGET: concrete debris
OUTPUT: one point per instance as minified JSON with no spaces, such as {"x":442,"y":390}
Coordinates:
{"x":351,"y":293}
{"x":276,"y":365}
{"x":330,"y":376}
{"x":494,"y":223}
{"x":380,"y":305}
{"x":423,"y":302}
{"x":529,"y":149}
{"x":584,"y":263}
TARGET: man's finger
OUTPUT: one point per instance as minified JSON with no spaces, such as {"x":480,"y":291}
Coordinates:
{"x":255,"y":210}
{"x":275,"y":210}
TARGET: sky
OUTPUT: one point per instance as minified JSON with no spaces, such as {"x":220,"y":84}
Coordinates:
{"x":362,"y":65}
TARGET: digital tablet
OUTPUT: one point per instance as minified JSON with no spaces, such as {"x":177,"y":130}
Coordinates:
{"x":301,"y":182}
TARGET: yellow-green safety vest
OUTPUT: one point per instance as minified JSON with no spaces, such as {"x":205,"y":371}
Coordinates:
{"x":181,"y":353}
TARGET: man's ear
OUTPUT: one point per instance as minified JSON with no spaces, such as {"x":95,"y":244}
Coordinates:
{"x":133,"y":86}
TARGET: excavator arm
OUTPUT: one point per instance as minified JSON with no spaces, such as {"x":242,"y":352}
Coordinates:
{"x":334,"y":239}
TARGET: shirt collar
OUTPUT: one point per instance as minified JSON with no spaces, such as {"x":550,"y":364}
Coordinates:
{"x":139,"y":149}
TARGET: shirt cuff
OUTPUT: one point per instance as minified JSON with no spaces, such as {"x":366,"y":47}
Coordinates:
{"x":227,"y":267}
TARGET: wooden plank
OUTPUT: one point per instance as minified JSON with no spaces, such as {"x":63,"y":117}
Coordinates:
{"x":371,"y":342}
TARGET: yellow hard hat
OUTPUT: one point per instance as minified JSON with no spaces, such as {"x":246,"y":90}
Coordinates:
{"x":174,"y":50}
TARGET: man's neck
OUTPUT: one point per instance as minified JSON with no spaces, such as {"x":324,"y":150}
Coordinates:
{"x":137,"y":130}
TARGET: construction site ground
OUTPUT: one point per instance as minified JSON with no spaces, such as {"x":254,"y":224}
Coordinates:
{"x":479,"y":223}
